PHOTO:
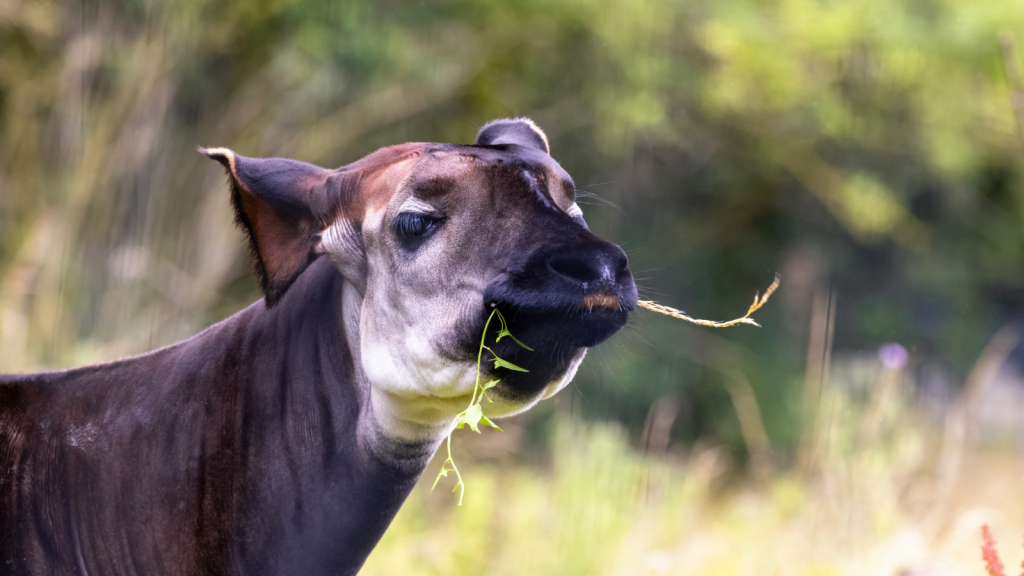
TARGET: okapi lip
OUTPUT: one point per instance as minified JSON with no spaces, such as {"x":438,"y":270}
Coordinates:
{"x":551,"y":333}
{"x":578,"y":327}
{"x":602,"y":301}
{"x":555,"y":318}
{"x":505,"y":298}
{"x":556,"y":337}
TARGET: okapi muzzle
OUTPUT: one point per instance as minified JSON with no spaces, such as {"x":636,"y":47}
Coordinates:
{"x":284,"y":439}
{"x":569,"y":292}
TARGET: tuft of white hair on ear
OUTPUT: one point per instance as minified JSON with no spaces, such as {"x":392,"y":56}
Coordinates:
{"x":223,"y":155}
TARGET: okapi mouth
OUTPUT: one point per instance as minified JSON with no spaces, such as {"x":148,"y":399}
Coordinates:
{"x":557,"y":337}
{"x":563,"y":303}
{"x":561,"y":299}
{"x":581,"y":325}
{"x":558,"y":332}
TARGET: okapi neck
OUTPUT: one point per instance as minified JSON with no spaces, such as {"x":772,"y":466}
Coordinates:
{"x":305,"y":367}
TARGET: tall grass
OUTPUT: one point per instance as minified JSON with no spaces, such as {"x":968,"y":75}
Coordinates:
{"x":874,"y":501}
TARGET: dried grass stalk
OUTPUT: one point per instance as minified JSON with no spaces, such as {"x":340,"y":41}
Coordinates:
{"x":759,"y":301}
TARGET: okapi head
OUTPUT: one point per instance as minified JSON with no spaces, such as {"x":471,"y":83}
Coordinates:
{"x":432,"y":237}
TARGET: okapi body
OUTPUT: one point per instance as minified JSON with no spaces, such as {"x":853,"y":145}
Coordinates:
{"x":284,"y":439}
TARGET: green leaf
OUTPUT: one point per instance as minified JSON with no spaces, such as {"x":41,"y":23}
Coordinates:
{"x":504,"y":332}
{"x":499,"y":363}
{"x":473,"y":415}
{"x":487,"y":421}
{"x":487,"y":386}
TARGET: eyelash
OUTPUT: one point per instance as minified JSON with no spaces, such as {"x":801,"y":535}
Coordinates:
{"x":413,"y":226}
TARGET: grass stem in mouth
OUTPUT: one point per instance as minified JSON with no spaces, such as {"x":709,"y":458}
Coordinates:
{"x":473,"y":415}
{"x":759,"y":301}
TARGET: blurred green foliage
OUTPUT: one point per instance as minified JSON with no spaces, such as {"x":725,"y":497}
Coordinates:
{"x":867,"y":146}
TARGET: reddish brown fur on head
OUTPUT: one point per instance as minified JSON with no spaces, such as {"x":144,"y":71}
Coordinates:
{"x":284,"y":206}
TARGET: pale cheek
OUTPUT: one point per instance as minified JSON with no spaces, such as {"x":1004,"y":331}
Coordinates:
{"x":406,"y":319}
{"x":398,"y":356}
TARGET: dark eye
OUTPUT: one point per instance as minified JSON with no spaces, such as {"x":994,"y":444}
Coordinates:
{"x":414,"y":226}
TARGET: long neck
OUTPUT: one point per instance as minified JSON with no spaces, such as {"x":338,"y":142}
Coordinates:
{"x":337,"y":480}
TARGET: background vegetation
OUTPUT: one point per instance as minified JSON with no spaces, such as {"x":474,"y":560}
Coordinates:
{"x":869,"y":151}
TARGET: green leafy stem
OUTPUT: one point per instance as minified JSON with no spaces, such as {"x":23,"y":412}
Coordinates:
{"x":473,"y":415}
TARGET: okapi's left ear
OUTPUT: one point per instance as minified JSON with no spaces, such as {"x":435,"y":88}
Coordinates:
{"x":521,"y":131}
{"x":283,"y":206}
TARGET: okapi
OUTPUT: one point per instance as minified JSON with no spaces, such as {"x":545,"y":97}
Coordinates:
{"x":284,"y":439}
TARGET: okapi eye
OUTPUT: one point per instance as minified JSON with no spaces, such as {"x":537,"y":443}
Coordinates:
{"x":415,"y":226}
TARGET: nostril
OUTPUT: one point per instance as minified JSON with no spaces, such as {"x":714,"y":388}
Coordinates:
{"x":576,"y":268}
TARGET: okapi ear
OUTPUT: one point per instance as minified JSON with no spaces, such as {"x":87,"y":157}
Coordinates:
{"x":282,"y":206}
{"x":521,"y":131}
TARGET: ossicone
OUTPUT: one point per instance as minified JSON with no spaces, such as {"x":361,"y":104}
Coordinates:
{"x":520,"y":131}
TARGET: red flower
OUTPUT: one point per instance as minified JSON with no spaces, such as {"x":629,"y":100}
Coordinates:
{"x":989,"y":554}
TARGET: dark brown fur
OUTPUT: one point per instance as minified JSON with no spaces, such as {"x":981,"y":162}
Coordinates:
{"x":234,"y":452}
